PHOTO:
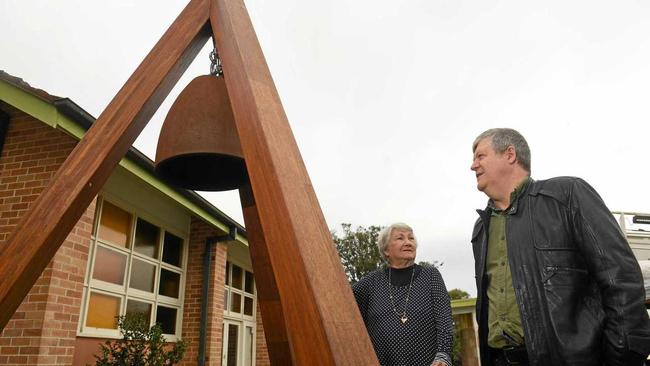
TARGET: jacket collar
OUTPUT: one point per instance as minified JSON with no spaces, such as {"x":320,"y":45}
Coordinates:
{"x":523,"y":188}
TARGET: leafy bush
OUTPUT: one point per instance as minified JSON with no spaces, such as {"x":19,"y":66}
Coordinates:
{"x":140,"y":345}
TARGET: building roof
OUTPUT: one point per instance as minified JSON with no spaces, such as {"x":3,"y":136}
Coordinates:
{"x":22,"y":84}
{"x":84,"y":120}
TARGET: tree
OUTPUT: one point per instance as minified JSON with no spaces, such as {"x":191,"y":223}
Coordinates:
{"x":458,"y":294}
{"x":358,"y":250}
{"x":140,"y":345}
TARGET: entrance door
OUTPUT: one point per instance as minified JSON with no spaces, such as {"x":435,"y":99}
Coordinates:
{"x":249,"y":343}
{"x":238,"y":343}
{"x":231,"y":344}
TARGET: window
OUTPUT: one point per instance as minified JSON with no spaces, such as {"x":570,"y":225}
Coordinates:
{"x":239,"y":292}
{"x":135,"y":266}
{"x":239,"y":316}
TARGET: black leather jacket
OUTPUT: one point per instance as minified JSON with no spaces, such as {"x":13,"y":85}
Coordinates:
{"x":578,"y":286}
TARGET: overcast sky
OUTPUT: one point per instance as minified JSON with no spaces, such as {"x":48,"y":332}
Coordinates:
{"x":386,"y":97}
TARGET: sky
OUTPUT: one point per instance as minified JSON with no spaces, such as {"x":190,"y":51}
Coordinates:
{"x":385,"y":97}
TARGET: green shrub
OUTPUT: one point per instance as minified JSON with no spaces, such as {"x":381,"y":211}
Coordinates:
{"x":140,"y":345}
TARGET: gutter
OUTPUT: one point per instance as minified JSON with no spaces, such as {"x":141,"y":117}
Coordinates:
{"x":71,"y":110}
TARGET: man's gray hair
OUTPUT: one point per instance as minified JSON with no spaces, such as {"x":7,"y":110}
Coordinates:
{"x":504,"y":137}
{"x":384,"y":237}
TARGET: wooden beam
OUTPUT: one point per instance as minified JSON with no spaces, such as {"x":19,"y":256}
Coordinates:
{"x":268,"y":297}
{"x":323,"y":323}
{"x":54,"y":213}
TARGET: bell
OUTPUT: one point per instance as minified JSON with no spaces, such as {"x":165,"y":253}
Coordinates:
{"x":198,"y":147}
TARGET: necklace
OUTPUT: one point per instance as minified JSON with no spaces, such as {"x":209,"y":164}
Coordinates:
{"x":402,"y":317}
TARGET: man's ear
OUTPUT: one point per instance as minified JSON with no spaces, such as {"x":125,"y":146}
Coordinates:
{"x":511,"y":154}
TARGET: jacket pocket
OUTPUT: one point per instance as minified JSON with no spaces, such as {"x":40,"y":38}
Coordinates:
{"x":639,"y":343}
{"x":565,"y":262}
{"x":563,"y":276}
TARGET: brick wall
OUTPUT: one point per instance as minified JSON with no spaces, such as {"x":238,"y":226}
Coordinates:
{"x":31,"y":155}
{"x":43,"y":329}
{"x":261,"y":352}
{"x":199,"y":231}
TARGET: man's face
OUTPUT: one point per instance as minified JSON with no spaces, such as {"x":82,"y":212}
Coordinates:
{"x":490,"y":167}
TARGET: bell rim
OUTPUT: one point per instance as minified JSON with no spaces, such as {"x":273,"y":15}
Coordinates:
{"x":233,"y":168}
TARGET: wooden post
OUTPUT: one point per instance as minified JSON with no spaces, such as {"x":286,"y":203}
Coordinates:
{"x":323,"y":324}
{"x":268,"y":296}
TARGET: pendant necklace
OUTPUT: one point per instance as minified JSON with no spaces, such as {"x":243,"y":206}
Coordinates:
{"x":402,"y":317}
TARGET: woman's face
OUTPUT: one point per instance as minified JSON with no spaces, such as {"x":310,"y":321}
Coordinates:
{"x":401,"y":246}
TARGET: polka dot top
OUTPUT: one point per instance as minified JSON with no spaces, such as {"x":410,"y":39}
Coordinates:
{"x":427,"y":334}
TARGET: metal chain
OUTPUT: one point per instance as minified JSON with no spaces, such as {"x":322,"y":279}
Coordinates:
{"x":402,"y":317}
{"x":215,"y":63}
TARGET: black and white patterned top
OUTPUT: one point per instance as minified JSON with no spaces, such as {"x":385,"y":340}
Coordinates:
{"x":427,"y":335}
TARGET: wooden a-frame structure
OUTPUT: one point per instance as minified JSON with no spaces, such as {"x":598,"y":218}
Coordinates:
{"x":308,"y":311}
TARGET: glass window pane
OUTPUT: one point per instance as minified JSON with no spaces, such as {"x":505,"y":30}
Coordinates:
{"x":169,"y":283}
{"x":142,"y":275}
{"x":248,"y":347}
{"x":250,"y":283}
{"x":103,"y":311}
{"x":235,"y":304}
{"x":109,"y":266}
{"x":227,"y":279}
{"x":248,"y":306}
{"x":166,"y":317}
{"x":139,"y":307}
{"x":233,"y":338}
{"x":225,"y":299}
{"x":146,"y":238}
{"x":172,"y":250}
{"x":237,"y":279}
{"x":114,"y":225}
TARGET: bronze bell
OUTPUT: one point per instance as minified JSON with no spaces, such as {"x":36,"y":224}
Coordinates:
{"x":198,"y":147}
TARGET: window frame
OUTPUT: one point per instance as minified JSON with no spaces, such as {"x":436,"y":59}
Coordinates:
{"x":242,"y":320}
{"x":242,"y":292}
{"x":125,"y":292}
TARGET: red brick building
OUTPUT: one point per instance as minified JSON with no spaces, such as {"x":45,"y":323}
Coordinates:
{"x":139,"y":247}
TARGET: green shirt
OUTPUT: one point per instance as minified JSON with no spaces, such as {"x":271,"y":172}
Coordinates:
{"x":504,"y":320}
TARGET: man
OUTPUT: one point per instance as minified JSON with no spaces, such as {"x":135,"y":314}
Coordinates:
{"x":557,"y":281}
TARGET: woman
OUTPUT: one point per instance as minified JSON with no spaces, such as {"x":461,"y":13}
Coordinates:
{"x":405,"y":306}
